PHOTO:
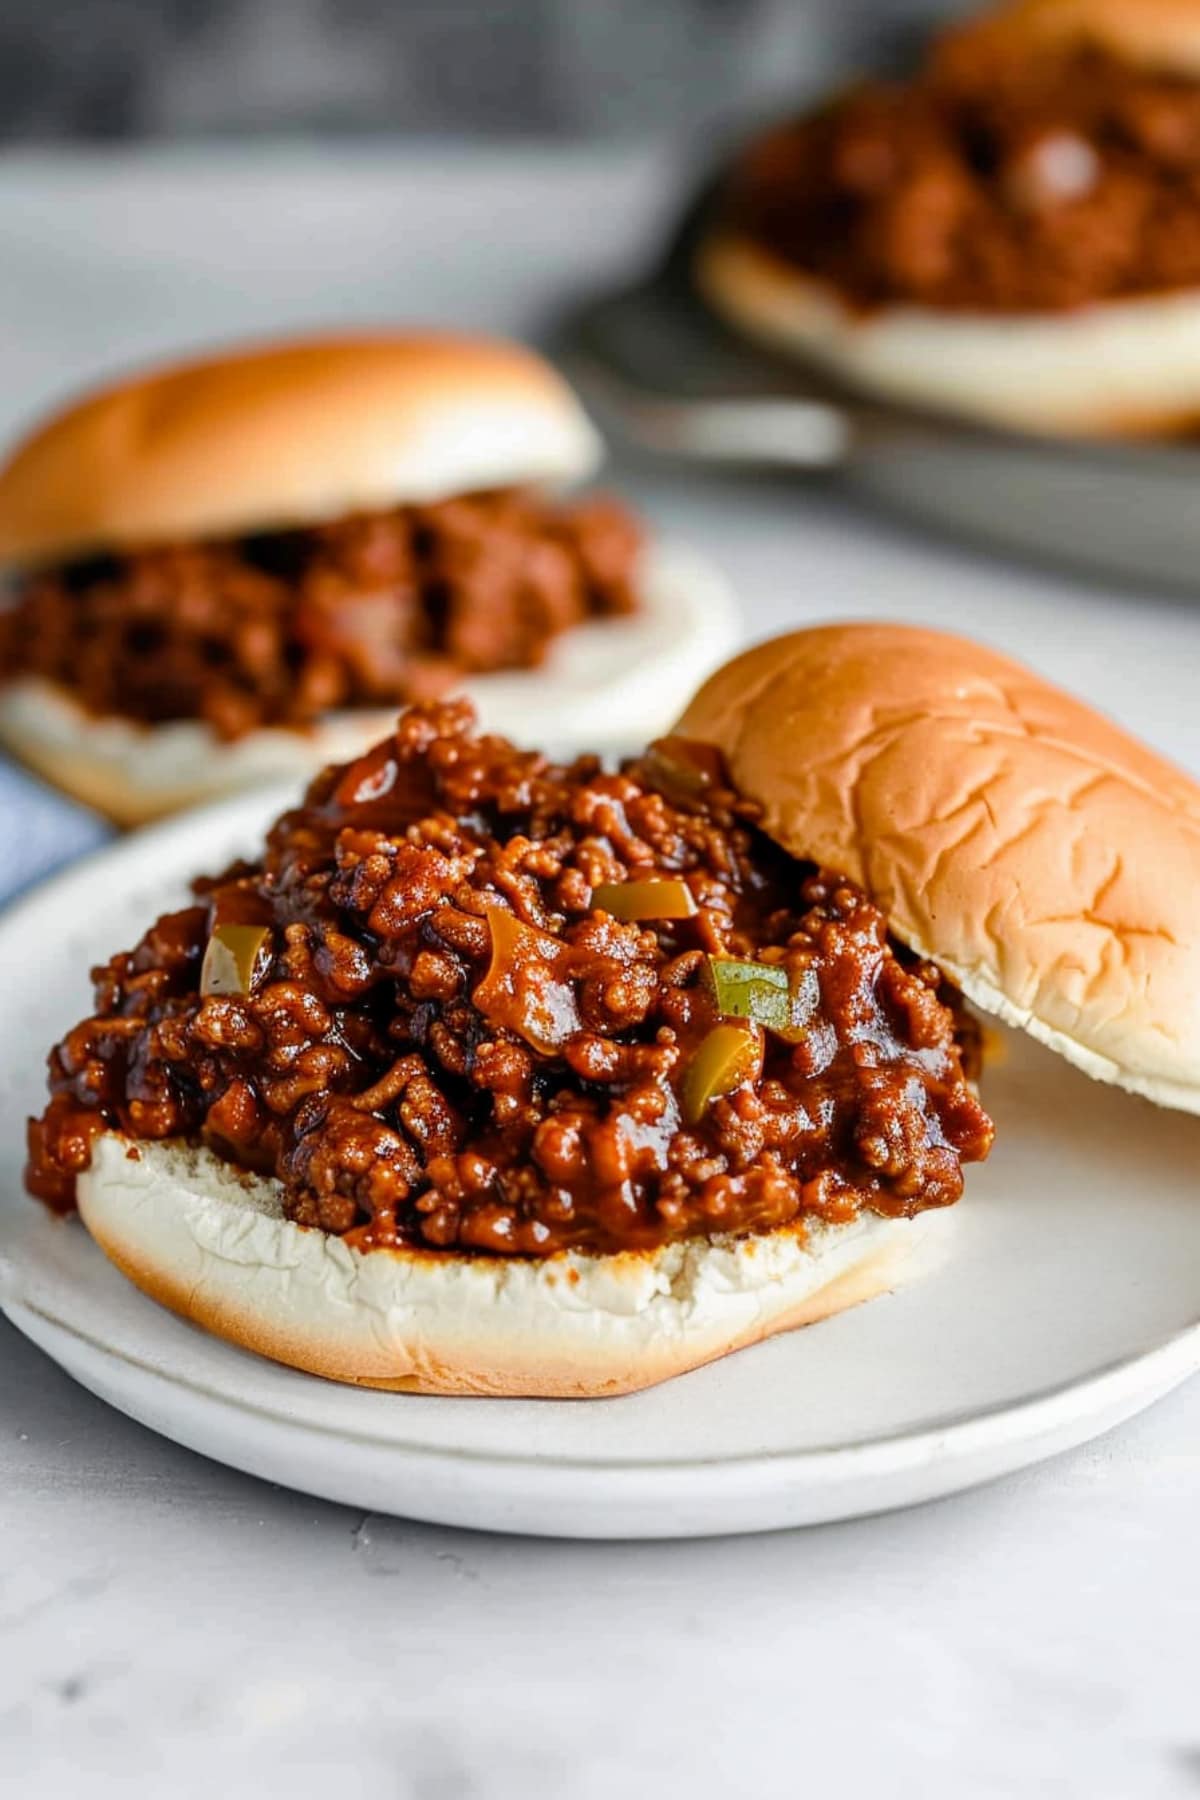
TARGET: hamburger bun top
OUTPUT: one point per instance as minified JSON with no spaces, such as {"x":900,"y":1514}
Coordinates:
{"x":288,"y":434}
{"x":1164,"y":34}
{"x":1042,"y":857}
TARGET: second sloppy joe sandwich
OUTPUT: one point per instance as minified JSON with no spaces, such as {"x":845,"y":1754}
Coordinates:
{"x":1013,"y":234}
{"x":241,"y":567}
{"x":499,"y":1076}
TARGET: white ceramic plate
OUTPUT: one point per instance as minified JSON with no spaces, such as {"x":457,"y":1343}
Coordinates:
{"x":1066,"y":1301}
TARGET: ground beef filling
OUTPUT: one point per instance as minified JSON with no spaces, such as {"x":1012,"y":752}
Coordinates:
{"x":377,"y":609}
{"x":445,"y":1035}
{"x":990,"y":182}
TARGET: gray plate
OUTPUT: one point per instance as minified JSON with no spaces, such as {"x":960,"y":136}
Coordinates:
{"x":658,"y":367}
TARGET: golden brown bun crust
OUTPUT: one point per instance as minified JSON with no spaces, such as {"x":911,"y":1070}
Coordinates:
{"x":288,"y":434}
{"x":213,"y":1246}
{"x":538,"y":1373}
{"x":1045,"y":859}
{"x":1164,"y":34}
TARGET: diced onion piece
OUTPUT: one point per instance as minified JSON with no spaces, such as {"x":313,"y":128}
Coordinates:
{"x":526,"y":987}
{"x":729,"y":1055}
{"x":234,"y":960}
{"x":634,"y":900}
{"x":370,"y":778}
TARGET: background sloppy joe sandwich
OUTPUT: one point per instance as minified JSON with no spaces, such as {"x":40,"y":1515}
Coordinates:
{"x":1013,"y":235}
{"x":497,"y":1076}
{"x":242,"y":567}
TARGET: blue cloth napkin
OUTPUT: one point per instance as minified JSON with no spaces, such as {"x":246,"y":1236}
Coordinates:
{"x":40,"y":830}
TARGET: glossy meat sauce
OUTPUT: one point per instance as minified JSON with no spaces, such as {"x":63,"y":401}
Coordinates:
{"x":997,"y":180}
{"x":372,"y":610}
{"x":444,"y":1041}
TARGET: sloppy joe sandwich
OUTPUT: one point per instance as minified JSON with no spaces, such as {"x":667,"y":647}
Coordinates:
{"x":242,"y":567}
{"x":1012,"y":235}
{"x":494,"y":1075}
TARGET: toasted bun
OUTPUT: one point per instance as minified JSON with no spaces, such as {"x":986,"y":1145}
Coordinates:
{"x":1048,"y":862}
{"x":214,"y":1246}
{"x":1164,"y":34}
{"x":288,"y":434}
{"x":611,"y":684}
{"x":1115,"y":369}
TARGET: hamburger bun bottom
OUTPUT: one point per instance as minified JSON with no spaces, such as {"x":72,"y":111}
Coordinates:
{"x":609,"y":685}
{"x":212,"y":1244}
{"x":1125,"y":368}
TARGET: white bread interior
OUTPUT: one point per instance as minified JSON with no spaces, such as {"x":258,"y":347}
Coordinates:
{"x":289,"y":434}
{"x":1113,"y":369}
{"x":1048,"y":862}
{"x":611,"y":684}
{"x":213,"y":1245}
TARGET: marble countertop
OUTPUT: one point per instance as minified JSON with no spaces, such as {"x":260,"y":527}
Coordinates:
{"x":166,"y":1623}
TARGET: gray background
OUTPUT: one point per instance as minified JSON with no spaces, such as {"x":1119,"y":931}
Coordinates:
{"x":107,"y":69}
{"x":173,"y":1630}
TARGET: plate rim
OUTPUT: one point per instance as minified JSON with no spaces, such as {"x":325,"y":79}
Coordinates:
{"x":1002,"y":1435}
{"x":1177,"y":1353}
{"x":128,"y":844}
